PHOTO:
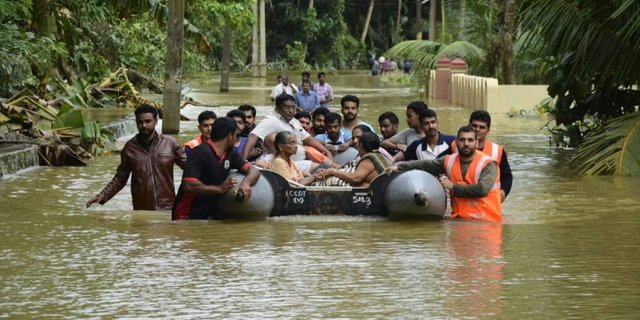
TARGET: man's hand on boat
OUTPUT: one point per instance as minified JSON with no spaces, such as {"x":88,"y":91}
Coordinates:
{"x":245,"y":188}
{"x":227,"y":184}
{"x":391,"y":169}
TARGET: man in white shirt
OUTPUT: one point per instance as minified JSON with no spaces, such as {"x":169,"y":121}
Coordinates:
{"x":284,"y":87}
{"x":282,"y":119}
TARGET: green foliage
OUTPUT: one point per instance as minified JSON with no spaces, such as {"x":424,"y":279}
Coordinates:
{"x":211,"y":17}
{"x":613,"y":149}
{"x":424,"y":53}
{"x":594,"y":77}
{"x":600,"y":35}
{"x":295,"y":56}
{"x":140,"y":44}
{"x":322,"y":31}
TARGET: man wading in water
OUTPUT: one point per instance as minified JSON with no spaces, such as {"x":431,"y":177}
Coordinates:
{"x":149,"y":159}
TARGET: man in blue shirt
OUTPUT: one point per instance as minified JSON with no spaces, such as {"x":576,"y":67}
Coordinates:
{"x":306,"y":99}
{"x":334,"y":139}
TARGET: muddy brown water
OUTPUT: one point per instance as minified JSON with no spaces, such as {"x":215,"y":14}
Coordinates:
{"x":569,"y":247}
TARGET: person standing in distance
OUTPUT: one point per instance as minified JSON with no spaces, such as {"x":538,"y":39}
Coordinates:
{"x":148,"y":158}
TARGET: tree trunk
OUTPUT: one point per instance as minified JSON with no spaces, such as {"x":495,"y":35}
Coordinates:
{"x":505,"y":19}
{"x":363,"y":36}
{"x":41,"y":18}
{"x":255,"y":68}
{"x":443,"y":27}
{"x":173,"y":68}
{"x":263,"y":40}
{"x":463,"y":9}
{"x":225,"y":70}
{"x":433,"y":15}
{"x":398,"y":16}
{"x":419,"y":20}
{"x":304,"y":52}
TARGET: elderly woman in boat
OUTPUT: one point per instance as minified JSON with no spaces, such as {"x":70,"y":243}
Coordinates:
{"x":286,"y":145}
{"x":371,"y":163}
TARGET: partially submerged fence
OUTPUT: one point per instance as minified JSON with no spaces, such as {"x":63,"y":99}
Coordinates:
{"x":451,"y":83}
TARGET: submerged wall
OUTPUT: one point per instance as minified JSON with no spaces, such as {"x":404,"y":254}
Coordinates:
{"x":481,"y":93}
{"x":14,"y":158}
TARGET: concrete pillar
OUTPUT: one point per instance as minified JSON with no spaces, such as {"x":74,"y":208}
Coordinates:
{"x":443,"y":66}
{"x":458,"y":66}
{"x":173,"y":68}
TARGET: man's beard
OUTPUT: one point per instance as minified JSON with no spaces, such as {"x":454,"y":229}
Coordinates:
{"x":350,"y":116}
{"x":333,"y":136}
{"x":318,"y":130}
{"x":466,"y":151}
{"x":146,"y":132}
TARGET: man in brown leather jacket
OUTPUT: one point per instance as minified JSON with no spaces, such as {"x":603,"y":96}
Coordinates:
{"x":149,"y":159}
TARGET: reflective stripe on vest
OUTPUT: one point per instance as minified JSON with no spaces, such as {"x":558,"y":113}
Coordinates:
{"x":493,"y":150}
{"x":490,"y":148}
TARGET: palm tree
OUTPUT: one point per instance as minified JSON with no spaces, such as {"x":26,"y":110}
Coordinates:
{"x":596,"y":44}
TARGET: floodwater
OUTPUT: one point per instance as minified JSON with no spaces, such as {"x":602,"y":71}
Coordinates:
{"x":569,"y":247}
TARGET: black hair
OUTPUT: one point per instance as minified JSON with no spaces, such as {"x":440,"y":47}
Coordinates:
{"x":146,"y":108}
{"x":222,"y":127}
{"x":320,"y":111}
{"x":332,"y":117}
{"x":237,"y":113}
{"x":350,"y":98}
{"x":321,"y":73}
{"x":416,"y":106}
{"x":466,"y":129}
{"x":248,"y":107}
{"x":282,"y":98}
{"x":306,"y":81}
{"x":306,"y":73}
{"x":393,"y":118}
{"x":370,"y":141}
{"x":426,"y":113}
{"x":206,"y":115}
{"x":302,"y":114}
{"x":481,"y":115}
{"x":364,"y":128}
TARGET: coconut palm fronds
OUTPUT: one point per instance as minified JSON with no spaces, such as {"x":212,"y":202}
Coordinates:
{"x":613,"y":149}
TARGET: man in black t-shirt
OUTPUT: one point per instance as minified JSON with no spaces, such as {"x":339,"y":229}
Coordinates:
{"x":206,"y":177}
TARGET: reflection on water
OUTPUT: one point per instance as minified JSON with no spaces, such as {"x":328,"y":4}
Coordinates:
{"x":568,"y":248}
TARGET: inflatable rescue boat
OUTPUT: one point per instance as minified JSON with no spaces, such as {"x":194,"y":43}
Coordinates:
{"x":407,"y":195}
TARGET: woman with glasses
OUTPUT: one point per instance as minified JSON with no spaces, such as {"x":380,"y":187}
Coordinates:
{"x":286,"y":145}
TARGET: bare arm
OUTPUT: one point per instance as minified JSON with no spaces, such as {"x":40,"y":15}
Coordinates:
{"x":399,"y":156}
{"x":252,"y":139}
{"x":389,"y":144}
{"x":252,"y":176}
{"x":354,"y":178}
{"x":197,"y":187}
{"x":313,"y":142}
